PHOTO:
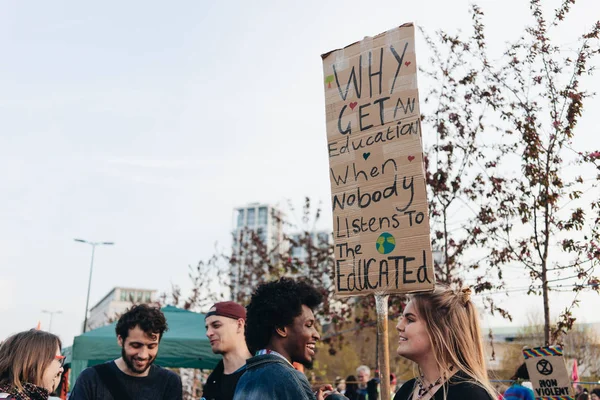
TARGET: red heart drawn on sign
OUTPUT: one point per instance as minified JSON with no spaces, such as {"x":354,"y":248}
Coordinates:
{"x":410,"y":158}
{"x":353,"y":104}
{"x":407,"y":63}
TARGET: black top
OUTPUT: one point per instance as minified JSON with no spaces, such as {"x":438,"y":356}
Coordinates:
{"x":220,"y":386}
{"x":160,"y":384}
{"x":368,"y":393}
{"x":458,"y":389}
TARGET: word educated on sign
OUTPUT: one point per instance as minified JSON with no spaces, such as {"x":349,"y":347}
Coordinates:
{"x":548,"y":373}
{"x":379,"y":199}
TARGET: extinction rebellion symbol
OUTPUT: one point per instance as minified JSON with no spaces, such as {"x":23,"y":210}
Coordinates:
{"x":544,"y":367}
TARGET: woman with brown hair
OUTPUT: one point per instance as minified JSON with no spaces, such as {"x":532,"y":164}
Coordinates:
{"x":30,"y":365}
{"x":440,"y":332}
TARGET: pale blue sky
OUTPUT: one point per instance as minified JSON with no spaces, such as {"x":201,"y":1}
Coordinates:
{"x":145,"y":123}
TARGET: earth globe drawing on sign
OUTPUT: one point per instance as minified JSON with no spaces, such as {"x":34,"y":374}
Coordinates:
{"x":385,"y":243}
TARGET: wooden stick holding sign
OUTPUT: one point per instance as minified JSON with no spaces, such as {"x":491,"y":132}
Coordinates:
{"x":378,"y":193}
{"x":381,"y":303}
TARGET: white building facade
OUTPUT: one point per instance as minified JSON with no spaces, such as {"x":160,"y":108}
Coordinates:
{"x":263,"y":219}
{"x":319,"y":239}
{"x":115,"y":303}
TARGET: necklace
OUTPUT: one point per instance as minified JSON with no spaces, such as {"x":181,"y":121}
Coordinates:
{"x":424,"y":390}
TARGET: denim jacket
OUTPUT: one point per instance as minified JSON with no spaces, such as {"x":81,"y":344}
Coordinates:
{"x":269,"y":376}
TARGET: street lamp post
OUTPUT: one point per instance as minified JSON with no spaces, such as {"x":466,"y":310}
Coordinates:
{"x":87,"y":300}
{"x":51,"y":316}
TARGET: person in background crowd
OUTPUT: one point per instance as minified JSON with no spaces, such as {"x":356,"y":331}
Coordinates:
{"x":516,"y":391}
{"x":340,"y":385}
{"x":595,"y":395}
{"x":30,"y":365}
{"x":582,"y":396}
{"x":363,"y":373}
{"x":351,"y":388}
{"x":440,"y":332}
{"x":281,"y":329}
{"x":393,"y":383}
{"x":373,"y":387}
{"x":579,"y":389}
{"x":134,"y":375}
{"x":500,"y":389}
{"x":225,"y":327}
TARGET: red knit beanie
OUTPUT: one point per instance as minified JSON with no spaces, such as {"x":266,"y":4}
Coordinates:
{"x":229,"y":309}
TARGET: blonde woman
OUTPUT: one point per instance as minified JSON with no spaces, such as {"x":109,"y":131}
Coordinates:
{"x":30,"y":365}
{"x":440,"y":332}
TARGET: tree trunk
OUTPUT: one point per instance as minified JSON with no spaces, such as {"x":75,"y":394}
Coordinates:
{"x":446,"y":247}
{"x":546,"y":303}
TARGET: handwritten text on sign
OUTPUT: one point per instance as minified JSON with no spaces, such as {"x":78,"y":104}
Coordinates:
{"x":380,"y":214}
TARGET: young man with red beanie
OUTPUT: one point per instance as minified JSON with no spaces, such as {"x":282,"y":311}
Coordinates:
{"x":225,"y":326}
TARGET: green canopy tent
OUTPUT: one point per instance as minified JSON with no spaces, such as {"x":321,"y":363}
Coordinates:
{"x":184,"y":345}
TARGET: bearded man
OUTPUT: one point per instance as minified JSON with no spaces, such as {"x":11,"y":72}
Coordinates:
{"x":134,"y":375}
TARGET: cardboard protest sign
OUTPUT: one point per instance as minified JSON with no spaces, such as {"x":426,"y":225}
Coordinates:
{"x":379,"y":199}
{"x":548,"y":373}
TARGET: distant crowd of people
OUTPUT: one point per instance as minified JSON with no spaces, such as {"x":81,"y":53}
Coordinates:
{"x":582,"y":393}
{"x":261,"y":345}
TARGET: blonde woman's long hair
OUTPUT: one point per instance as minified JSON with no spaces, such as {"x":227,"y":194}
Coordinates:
{"x":454,"y":332}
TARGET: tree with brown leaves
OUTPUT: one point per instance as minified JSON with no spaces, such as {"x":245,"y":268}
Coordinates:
{"x":534,"y":197}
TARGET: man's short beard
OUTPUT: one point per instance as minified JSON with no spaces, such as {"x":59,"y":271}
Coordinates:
{"x":218,"y":351}
{"x":308,"y":364}
{"x":130,"y":364}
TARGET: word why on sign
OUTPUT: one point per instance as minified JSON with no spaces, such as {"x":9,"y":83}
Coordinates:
{"x":375,"y":71}
{"x":378,"y":102}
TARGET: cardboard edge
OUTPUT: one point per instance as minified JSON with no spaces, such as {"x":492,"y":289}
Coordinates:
{"x":386,"y":292}
{"x":325,"y":55}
